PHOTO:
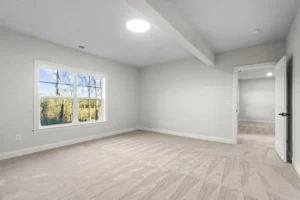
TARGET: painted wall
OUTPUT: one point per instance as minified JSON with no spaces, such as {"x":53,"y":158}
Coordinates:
{"x":257,"y":99}
{"x":17,"y":54}
{"x":293,"y":54}
{"x":189,"y":97}
{"x":185,"y":96}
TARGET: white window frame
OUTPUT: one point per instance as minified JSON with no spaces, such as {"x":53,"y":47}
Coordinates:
{"x":75,"y":71}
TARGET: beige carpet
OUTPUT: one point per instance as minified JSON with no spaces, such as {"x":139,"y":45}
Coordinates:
{"x":256,"y":133}
{"x":145,"y":165}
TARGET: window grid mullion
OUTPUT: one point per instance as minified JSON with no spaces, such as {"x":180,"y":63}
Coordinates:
{"x":75,"y":100}
{"x":55,"y":97}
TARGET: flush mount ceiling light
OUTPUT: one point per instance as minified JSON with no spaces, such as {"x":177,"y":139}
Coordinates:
{"x":269,"y":74}
{"x":138,"y":26}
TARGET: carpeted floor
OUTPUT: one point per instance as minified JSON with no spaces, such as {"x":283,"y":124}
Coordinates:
{"x":145,"y":165}
{"x":256,"y":133}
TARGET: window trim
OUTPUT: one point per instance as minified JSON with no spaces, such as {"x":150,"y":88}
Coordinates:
{"x":75,"y":71}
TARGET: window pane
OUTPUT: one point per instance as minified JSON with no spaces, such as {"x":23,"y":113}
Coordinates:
{"x":89,"y":110}
{"x":89,"y":86}
{"x":55,"y":83}
{"x":55,"y":111}
{"x":46,"y":89}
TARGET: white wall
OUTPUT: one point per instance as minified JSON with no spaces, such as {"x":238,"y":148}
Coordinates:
{"x":189,"y":97}
{"x":17,"y":54}
{"x":257,"y":99}
{"x":293,"y":51}
{"x":185,"y":96}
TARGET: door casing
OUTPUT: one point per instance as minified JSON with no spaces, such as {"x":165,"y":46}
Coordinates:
{"x":235,"y":96}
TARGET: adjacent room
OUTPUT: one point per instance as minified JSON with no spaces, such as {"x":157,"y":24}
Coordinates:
{"x":150,"y":99}
{"x":256,"y":99}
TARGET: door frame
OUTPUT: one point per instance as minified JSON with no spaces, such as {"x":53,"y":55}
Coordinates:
{"x":235,"y":96}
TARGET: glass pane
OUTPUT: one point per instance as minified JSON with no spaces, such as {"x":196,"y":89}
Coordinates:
{"x":56,"y":111}
{"x":89,"y":86}
{"x":55,"y":83}
{"x":46,"y":89}
{"x":89,"y":110}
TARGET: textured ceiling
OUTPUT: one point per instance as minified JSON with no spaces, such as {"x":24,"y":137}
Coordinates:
{"x":99,"y":25}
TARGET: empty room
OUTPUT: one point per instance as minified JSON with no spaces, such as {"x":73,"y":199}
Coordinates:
{"x":256,"y":110}
{"x":150,"y":99}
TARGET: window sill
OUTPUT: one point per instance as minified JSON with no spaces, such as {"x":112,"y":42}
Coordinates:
{"x":67,"y":126}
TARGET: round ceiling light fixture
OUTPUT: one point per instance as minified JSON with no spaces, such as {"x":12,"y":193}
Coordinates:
{"x":138,"y":26}
{"x":269,"y":74}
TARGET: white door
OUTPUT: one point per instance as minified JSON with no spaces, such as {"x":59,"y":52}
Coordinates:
{"x":281,"y":109}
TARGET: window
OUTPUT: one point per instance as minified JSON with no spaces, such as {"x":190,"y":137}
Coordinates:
{"x":67,"y":96}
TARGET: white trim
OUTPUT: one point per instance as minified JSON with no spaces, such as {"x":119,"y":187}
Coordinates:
{"x":256,"y":66}
{"x":57,"y":97}
{"x":56,"y":66}
{"x":259,"y":121}
{"x":36,"y":96}
{"x":80,"y":98}
{"x":75,"y":100}
{"x":103,"y":109}
{"x":31,"y":150}
{"x":235,"y":111}
{"x":235,"y":93}
{"x":189,"y":135}
{"x":296,"y":167}
{"x":75,"y":71}
{"x":67,"y":126}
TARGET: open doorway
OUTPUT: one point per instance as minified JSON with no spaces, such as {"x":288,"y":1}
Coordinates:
{"x":256,"y":100}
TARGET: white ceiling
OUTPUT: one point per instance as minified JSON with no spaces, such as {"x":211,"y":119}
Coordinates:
{"x":99,"y":25}
{"x":256,"y":73}
{"x":228,"y":24}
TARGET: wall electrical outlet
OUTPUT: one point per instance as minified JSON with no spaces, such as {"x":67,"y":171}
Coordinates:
{"x":18,"y":137}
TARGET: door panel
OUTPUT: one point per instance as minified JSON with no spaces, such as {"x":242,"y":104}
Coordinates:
{"x":281,"y":108}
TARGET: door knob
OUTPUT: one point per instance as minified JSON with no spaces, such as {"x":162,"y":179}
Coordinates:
{"x":284,"y":114}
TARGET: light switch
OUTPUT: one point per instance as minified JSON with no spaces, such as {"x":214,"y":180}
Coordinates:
{"x":18,"y":137}
{"x":228,"y":102}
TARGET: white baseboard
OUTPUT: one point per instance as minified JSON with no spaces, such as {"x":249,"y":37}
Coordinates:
{"x":297,"y":167}
{"x":189,"y":135}
{"x":31,"y":150}
{"x":259,"y":121}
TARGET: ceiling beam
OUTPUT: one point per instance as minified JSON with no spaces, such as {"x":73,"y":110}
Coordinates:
{"x":163,"y":14}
